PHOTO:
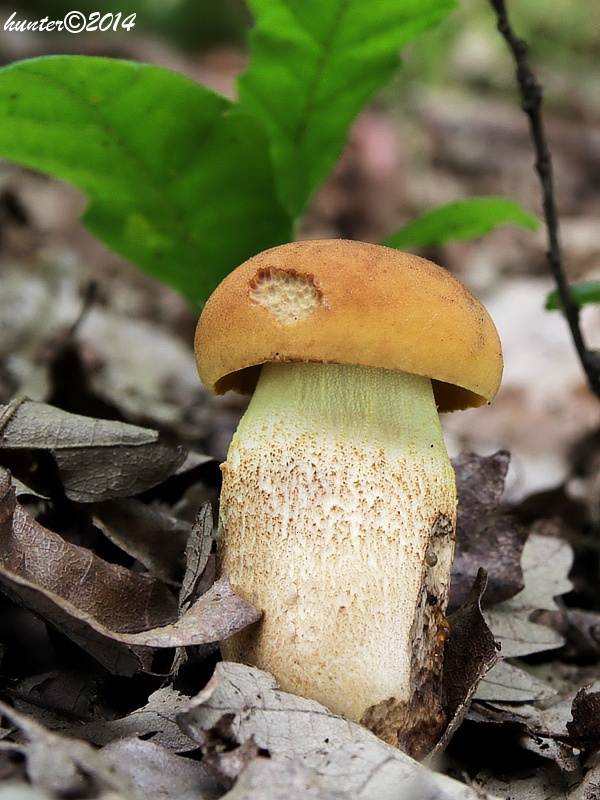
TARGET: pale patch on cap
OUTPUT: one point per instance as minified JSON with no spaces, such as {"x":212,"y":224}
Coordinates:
{"x":288,"y":295}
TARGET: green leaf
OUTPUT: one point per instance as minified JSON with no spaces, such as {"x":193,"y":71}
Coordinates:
{"x":314,"y":65}
{"x":461,"y":219}
{"x":179,"y":178}
{"x":581,"y":294}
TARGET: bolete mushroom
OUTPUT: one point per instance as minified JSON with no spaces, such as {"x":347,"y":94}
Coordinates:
{"x":338,"y":504}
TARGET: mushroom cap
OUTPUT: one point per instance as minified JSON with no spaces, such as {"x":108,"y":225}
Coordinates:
{"x":347,"y":302}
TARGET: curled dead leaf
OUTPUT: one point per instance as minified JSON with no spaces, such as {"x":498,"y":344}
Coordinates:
{"x":214,"y":616}
{"x":344,"y":756}
{"x":73,"y":576}
{"x":546,"y":563}
{"x":117,"y":616}
{"x":97,"y":459}
{"x":538,"y":729}
{"x":485,"y":537}
{"x":155,"y":722}
{"x":155,"y":539}
{"x":197,"y":557}
{"x":64,"y":767}
{"x":159,"y":773}
{"x":469,"y":654}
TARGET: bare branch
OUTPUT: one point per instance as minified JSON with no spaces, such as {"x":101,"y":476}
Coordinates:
{"x":531,"y":102}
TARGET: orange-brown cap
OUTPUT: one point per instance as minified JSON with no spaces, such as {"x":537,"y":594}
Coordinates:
{"x":345,"y":302}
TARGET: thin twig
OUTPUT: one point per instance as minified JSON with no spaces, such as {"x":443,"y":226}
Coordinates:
{"x":531,"y":102}
{"x":89,"y":299}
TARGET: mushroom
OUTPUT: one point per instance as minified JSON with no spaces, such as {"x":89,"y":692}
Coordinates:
{"x":338,"y":506}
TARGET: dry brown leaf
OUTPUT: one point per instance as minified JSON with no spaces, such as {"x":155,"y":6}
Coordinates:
{"x":58,"y":695}
{"x":83,"y":629}
{"x":160,"y":774}
{"x":100,"y":605}
{"x":268,"y":779}
{"x":197,"y":555}
{"x":199,"y":574}
{"x":347,"y":757}
{"x":216,"y":615}
{"x":580,"y":628}
{"x":156,"y":722}
{"x":542,"y":729}
{"x":41,"y":558}
{"x":97,"y":459}
{"x":63,"y":767}
{"x":480,"y":481}
{"x":156,"y":539}
{"x":485,"y":537}
{"x":469,"y":654}
{"x":546,"y":563}
{"x":509,"y":683}
{"x":471,"y":650}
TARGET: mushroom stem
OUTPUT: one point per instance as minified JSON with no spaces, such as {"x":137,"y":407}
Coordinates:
{"x":337,"y":519}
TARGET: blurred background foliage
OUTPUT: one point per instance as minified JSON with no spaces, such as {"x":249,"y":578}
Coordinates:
{"x":563,"y":35}
{"x":563,"y":38}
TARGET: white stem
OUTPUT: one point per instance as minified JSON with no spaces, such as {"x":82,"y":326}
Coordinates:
{"x":335,"y":483}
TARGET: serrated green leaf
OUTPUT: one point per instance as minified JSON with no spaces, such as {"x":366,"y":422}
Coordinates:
{"x":459,"y":220}
{"x":581,"y":295}
{"x":314,"y":65}
{"x":179,"y":178}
